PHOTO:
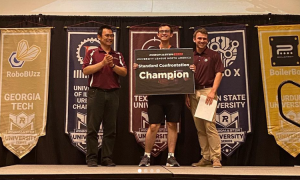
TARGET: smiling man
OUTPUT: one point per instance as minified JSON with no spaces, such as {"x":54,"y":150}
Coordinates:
{"x":208,"y":75}
{"x":104,"y":66}
{"x":163,"y":107}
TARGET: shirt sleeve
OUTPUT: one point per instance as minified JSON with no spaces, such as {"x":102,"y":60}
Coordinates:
{"x":121,"y":61}
{"x":88,"y":59}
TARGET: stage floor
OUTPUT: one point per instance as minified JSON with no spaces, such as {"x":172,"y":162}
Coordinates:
{"x":152,"y":172}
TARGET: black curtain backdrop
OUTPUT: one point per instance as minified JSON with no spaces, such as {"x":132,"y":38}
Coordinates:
{"x":259,"y":149}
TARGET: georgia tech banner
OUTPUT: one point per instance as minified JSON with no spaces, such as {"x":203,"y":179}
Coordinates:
{"x":25,"y":56}
{"x":144,"y":38}
{"x":280,"y":62}
{"x":233,"y":108}
{"x":80,"y":40}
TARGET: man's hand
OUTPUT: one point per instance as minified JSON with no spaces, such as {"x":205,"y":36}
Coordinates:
{"x":193,"y":67}
{"x":108,"y":59}
{"x":135,"y":66}
{"x":210,"y":97}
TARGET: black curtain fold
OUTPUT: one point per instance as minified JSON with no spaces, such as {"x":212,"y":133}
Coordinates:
{"x":259,"y":149}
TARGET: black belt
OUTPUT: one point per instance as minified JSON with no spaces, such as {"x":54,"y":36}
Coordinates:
{"x":198,"y":87}
{"x":104,"y":90}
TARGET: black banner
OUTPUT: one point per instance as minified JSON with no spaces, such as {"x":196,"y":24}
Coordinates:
{"x":164,"y":71}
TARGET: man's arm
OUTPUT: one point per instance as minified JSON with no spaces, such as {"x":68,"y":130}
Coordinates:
{"x":214,"y":89}
{"x":91,"y":69}
{"x":122,"y":71}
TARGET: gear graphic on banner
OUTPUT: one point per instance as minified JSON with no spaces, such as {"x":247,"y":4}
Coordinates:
{"x":88,"y":44}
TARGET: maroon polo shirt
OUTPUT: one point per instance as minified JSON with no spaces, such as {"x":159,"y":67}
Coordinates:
{"x":208,"y":63}
{"x":105,"y":78}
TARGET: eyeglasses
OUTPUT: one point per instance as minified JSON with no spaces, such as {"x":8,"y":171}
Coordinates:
{"x":109,"y":35}
{"x":164,"y":31}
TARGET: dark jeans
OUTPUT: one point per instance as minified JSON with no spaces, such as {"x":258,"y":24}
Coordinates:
{"x":102,"y":107}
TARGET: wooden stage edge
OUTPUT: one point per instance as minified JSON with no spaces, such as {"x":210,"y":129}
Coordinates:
{"x":62,"y":172}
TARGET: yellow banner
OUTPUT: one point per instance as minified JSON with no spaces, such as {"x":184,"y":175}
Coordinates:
{"x":25,"y":56}
{"x":280,"y":62}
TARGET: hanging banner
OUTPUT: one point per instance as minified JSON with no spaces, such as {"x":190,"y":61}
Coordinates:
{"x":80,"y":40}
{"x":144,"y":38}
{"x":24,"y":79}
{"x":164,"y":71}
{"x":233,"y":109}
{"x":280,"y":62}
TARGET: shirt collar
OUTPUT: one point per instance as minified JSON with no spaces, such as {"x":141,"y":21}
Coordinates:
{"x":203,"y":52}
{"x":111,"y":50}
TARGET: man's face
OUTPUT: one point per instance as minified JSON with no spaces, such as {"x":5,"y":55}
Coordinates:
{"x":201,"y":40}
{"x":107,"y":37}
{"x":164,"y":33}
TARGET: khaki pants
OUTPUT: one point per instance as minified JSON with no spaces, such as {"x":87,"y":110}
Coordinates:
{"x":208,"y":136}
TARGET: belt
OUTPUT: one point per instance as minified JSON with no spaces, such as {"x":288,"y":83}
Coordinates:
{"x":104,"y":90}
{"x":197,"y":87}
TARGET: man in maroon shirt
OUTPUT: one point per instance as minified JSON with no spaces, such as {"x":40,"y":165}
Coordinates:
{"x":208,"y":75}
{"x":104,"y":66}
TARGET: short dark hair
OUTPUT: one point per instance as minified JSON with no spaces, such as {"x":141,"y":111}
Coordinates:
{"x":200,"y":30}
{"x":100,"y":30}
{"x":171,"y":29}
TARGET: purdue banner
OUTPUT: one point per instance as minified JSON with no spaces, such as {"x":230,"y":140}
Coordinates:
{"x":233,"y":108}
{"x":280,"y":62}
{"x":25,"y":55}
{"x":80,"y":40}
{"x":144,"y":38}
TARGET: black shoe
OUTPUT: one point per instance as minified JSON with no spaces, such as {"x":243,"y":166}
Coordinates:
{"x":145,"y":161}
{"x":172,"y":162}
{"x":92,"y":163}
{"x":107,"y":162}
